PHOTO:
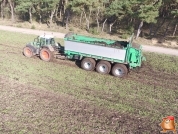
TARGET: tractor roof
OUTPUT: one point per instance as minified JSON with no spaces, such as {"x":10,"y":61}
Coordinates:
{"x":46,"y":36}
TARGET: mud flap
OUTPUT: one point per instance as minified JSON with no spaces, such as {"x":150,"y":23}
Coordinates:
{"x":49,"y":47}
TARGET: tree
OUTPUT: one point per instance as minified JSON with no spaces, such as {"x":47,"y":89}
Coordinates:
{"x":147,"y":12}
{"x":26,"y":6}
{"x":50,"y":8}
{"x":118,"y":10}
{"x":175,"y":14}
{"x":2,"y":3}
{"x":12,"y":4}
{"x":82,"y":7}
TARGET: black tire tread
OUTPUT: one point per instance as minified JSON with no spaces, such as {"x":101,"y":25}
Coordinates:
{"x":121,"y":66}
{"x":106,"y":63}
{"x":25,"y":53}
{"x":51,"y":54}
{"x":92,"y":61}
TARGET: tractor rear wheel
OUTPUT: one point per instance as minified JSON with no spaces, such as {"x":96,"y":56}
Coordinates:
{"x":27,"y":51}
{"x":103,"y":67}
{"x":119,"y":70}
{"x":46,"y":54}
{"x":88,"y":64}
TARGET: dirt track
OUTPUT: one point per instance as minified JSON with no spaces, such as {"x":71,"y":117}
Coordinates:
{"x":61,"y":35}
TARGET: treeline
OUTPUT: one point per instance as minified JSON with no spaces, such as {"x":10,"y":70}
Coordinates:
{"x":121,"y":16}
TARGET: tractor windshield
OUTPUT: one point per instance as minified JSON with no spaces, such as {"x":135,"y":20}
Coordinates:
{"x":50,"y":41}
{"x":47,"y":41}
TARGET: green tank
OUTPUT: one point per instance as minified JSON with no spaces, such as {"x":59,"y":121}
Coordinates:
{"x":104,"y":55}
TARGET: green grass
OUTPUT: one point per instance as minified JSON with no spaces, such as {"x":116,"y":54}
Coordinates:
{"x":18,"y":39}
{"x":150,"y":94}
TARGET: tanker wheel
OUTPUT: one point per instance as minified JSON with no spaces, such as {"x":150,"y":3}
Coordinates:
{"x":28,"y":52}
{"x":119,"y":70}
{"x":88,"y":64}
{"x":46,"y":54}
{"x":103,"y":67}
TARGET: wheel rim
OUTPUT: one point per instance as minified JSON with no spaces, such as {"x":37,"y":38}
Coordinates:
{"x":102,"y":68}
{"x":119,"y":71}
{"x":87,"y":65}
{"x":28,"y":52}
{"x":45,"y":55}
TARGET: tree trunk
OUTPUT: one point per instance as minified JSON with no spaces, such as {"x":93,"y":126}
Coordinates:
{"x":56,"y":13}
{"x":81,"y":17}
{"x":98,"y":25}
{"x":110,"y":26}
{"x":159,"y":27}
{"x":103,"y":25}
{"x":60,"y":14}
{"x":65,"y":5}
{"x":89,"y":13}
{"x":130,"y":21}
{"x":51,"y":16}
{"x":151,"y":29}
{"x":167,"y":27}
{"x":2,"y":8}
{"x":30,"y":14}
{"x":61,"y":6}
{"x":40,"y":19}
{"x":67,"y":18}
{"x":87,"y":21}
{"x":11,"y":9}
{"x":139,"y":29}
{"x":175,"y":29}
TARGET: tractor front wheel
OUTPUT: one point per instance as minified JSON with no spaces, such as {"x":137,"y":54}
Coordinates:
{"x":27,"y":51}
{"x":46,"y":54}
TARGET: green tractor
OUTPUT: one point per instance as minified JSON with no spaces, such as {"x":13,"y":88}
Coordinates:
{"x":44,"y":46}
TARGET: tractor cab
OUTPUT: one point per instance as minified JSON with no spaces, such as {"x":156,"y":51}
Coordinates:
{"x":44,"y":40}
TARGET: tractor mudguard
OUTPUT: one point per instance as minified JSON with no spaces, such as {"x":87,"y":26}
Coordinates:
{"x":49,"y":47}
{"x":32,"y":48}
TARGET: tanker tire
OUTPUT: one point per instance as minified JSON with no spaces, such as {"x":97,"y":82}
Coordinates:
{"x":27,"y":51}
{"x":46,"y":55}
{"x":88,"y":64}
{"x":119,"y":70}
{"x":103,"y":67}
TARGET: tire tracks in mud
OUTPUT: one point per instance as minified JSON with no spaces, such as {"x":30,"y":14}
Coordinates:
{"x":10,"y":46}
{"x":148,"y":76}
{"x":66,"y":107}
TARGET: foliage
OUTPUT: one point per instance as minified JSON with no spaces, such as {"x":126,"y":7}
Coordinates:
{"x":94,"y":12}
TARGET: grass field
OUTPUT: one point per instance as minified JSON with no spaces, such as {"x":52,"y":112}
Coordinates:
{"x":60,"y":97}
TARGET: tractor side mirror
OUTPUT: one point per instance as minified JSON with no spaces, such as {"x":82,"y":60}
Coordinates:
{"x":36,"y":40}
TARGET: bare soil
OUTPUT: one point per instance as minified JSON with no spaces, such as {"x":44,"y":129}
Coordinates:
{"x":24,"y":108}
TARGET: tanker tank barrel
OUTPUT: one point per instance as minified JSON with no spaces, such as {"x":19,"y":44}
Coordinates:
{"x":95,"y":41}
